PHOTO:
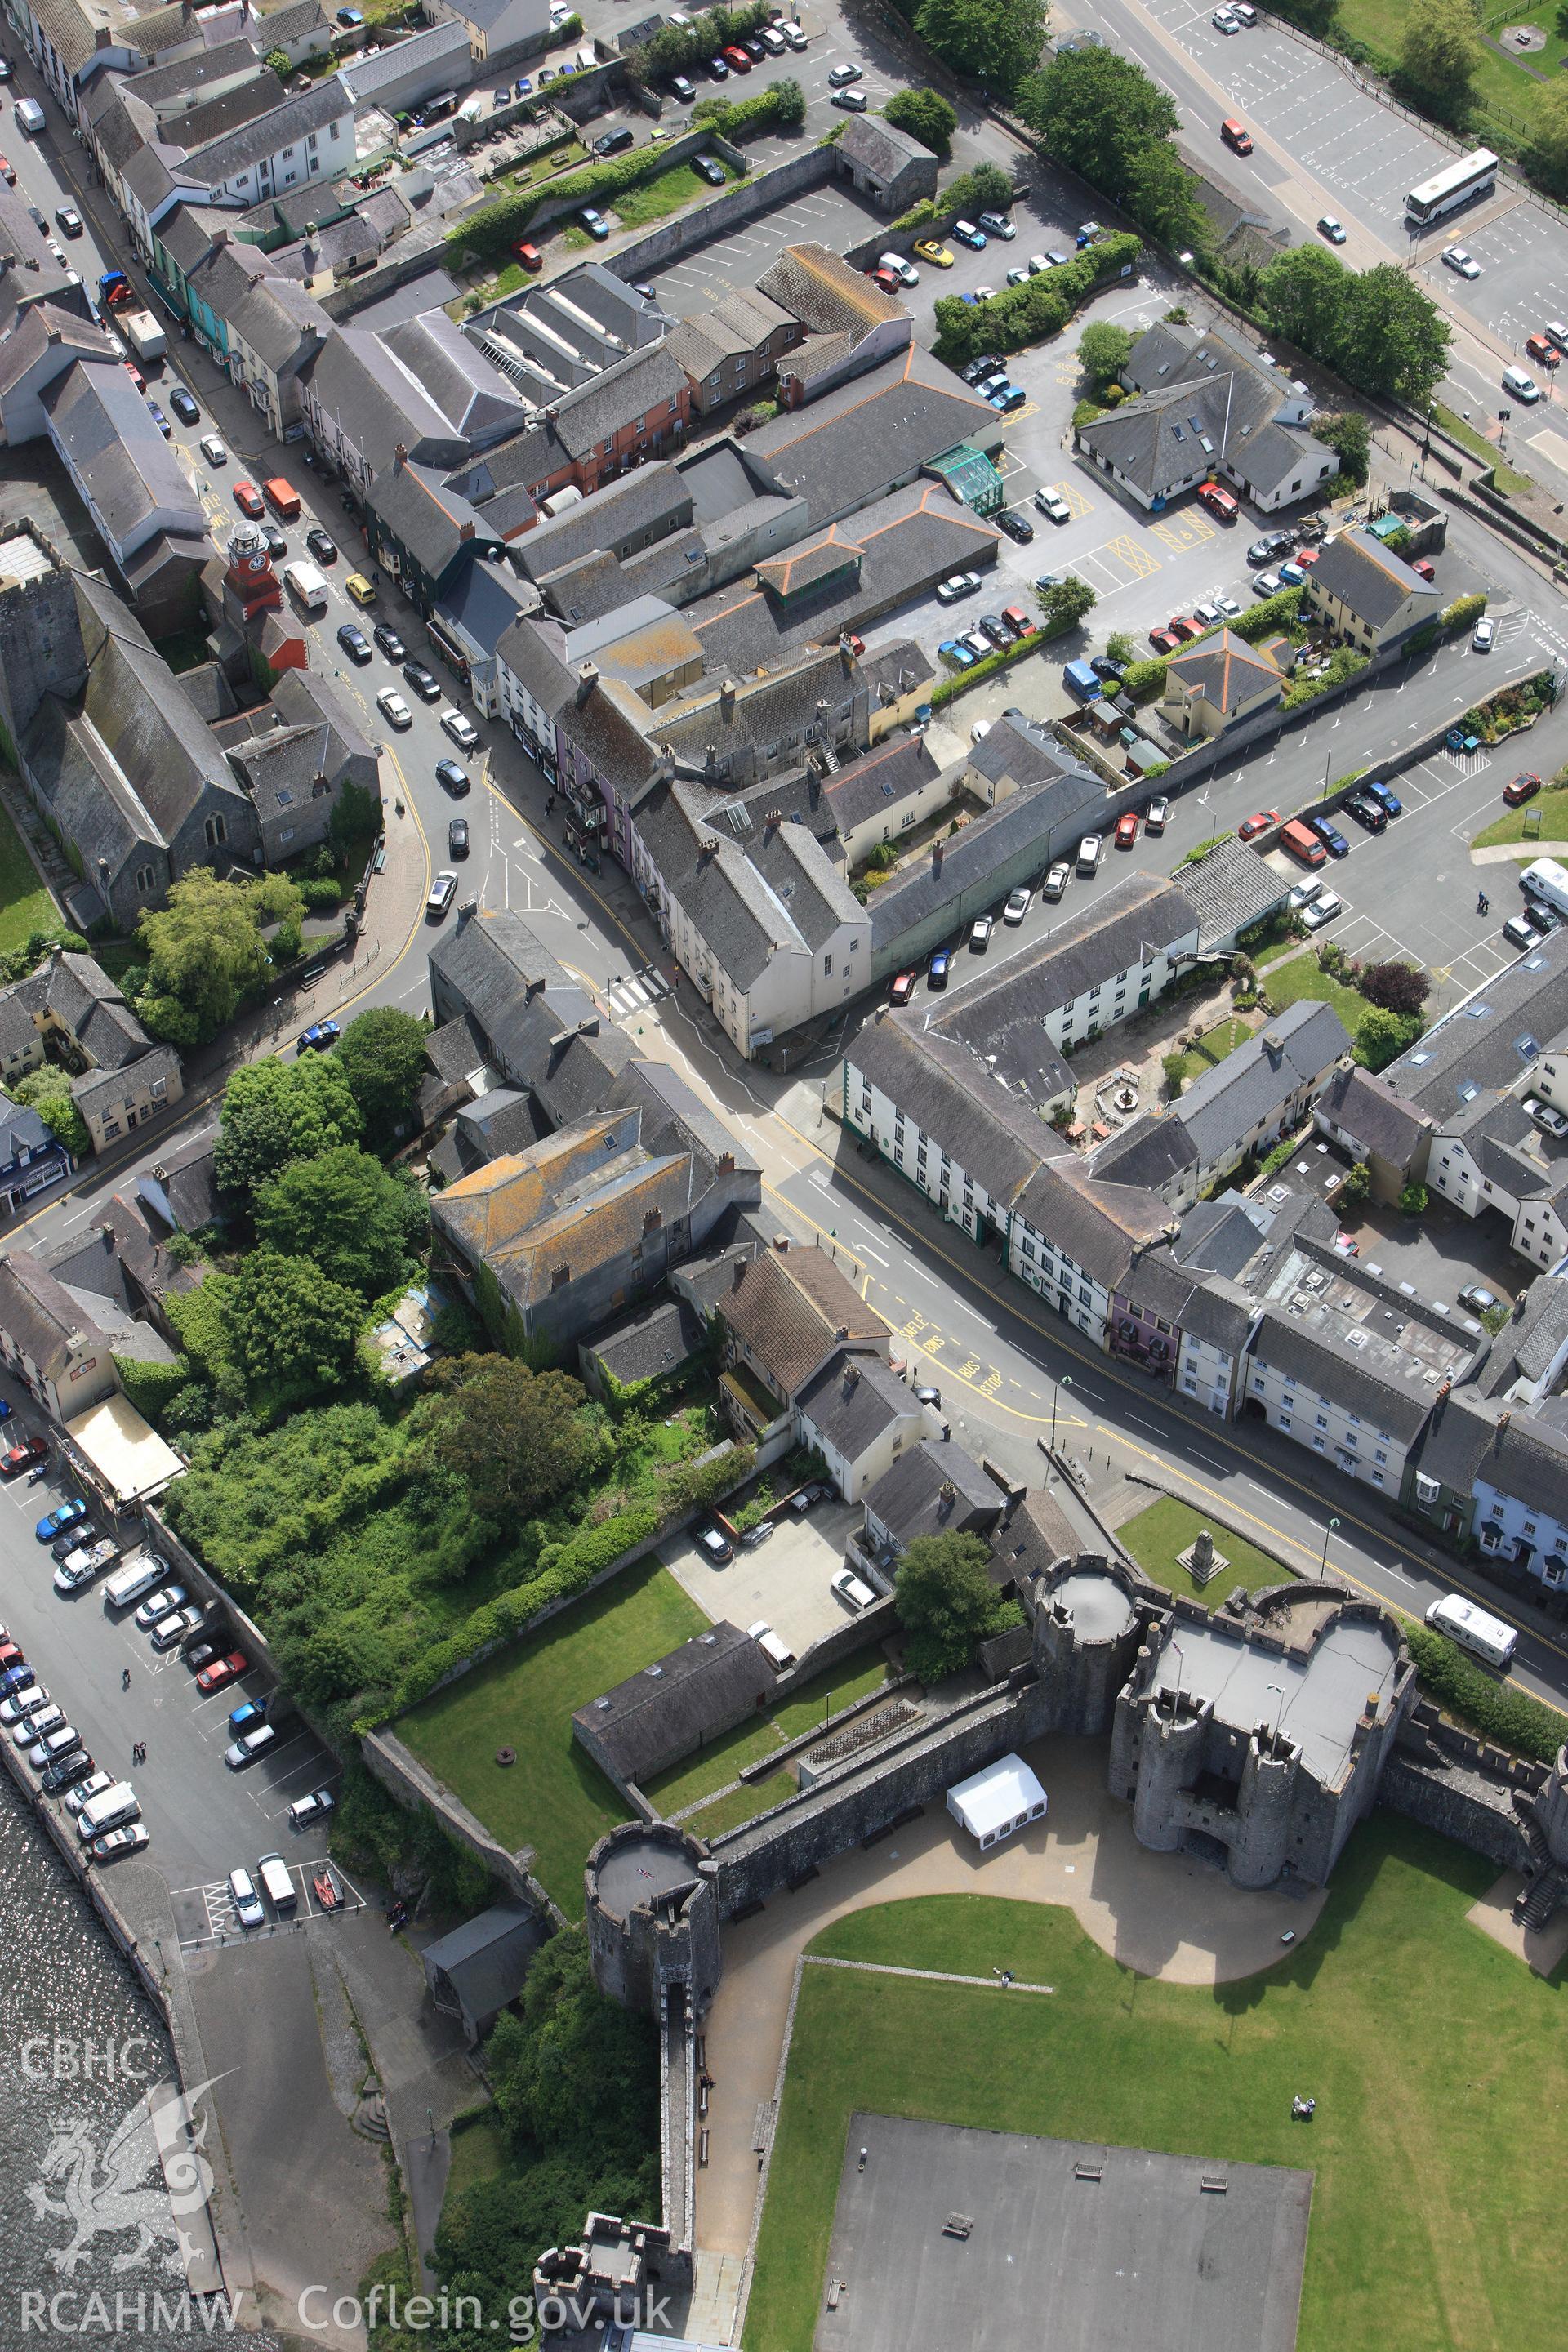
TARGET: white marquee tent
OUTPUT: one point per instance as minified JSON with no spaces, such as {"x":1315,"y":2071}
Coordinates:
{"x":992,"y":1804}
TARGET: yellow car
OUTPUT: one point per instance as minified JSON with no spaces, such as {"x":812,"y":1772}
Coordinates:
{"x":359,"y":588}
{"x":929,"y":250}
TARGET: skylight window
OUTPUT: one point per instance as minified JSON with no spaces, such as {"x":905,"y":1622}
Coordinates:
{"x":1468,"y":1090}
{"x":1177,"y":433}
{"x":1417,"y":1061}
{"x":1477,"y":1012}
{"x":1526,"y":1047}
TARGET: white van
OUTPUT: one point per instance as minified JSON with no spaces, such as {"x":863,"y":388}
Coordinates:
{"x":1463,"y":1622}
{"x":1547,"y":881}
{"x":29,"y":117}
{"x":1515,"y":381}
{"x":108,"y":1811}
{"x":132,"y":1582}
{"x":277,"y":1884}
{"x":306,"y":587}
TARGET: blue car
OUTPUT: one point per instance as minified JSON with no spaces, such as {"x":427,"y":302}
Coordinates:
{"x":1006,"y":398}
{"x":523,"y":85}
{"x":1330,"y":836}
{"x":5,"y":1410}
{"x":54,"y":1523}
{"x":1390,"y":803}
{"x":937,"y":968}
{"x":597,"y":226}
{"x":961,"y":657}
{"x":246,"y":1718}
{"x":15,"y":1679}
{"x":317,"y":1038}
{"x":965,"y":233}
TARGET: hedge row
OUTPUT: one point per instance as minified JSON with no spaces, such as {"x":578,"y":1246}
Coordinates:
{"x":1464,"y":613}
{"x":1524,"y":1725}
{"x":495,"y":227}
{"x":781,"y":107}
{"x":678,"y":48}
{"x":1032,"y":312}
{"x":1144,"y":681}
{"x":565,"y":1569}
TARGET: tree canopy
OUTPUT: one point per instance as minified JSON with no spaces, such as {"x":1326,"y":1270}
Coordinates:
{"x":1439,"y":58}
{"x":48,"y":1092}
{"x":1102,"y":349}
{"x":997,"y":46}
{"x":345,"y":1210}
{"x":1546,"y":152}
{"x":946,"y":1603}
{"x":515,"y":1437}
{"x":276,"y":1112}
{"x":1304,"y":294}
{"x":381,"y":1056}
{"x":926,"y":115}
{"x":206,"y":952}
{"x":1381,"y":1036}
{"x":1096,"y":111}
{"x":1375,"y":326}
{"x":1398,"y":987}
{"x":287,"y":1323}
{"x":1349,"y":436}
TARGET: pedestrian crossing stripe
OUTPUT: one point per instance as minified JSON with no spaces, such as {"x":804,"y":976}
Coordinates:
{"x":641,"y":990}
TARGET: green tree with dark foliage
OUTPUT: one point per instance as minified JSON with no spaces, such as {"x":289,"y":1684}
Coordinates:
{"x":359,"y":1222}
{"x":1393,"y":337}
{"x":1349,"y":436}
{"x":276,"y":1112}
{"x":1065,"y":605}
{"x":1439,"y":58}
{"x":926,"y":115}
{"x":1545,"y":154}
{"x":381,"y":1056}
{"x":946,"y":1603}
{"x":48,"y":1092}
{"x":206,"y":952}
{"x":1302,"y":294}
{"x":289,"y":1325}
{"x":1096,"y":111}
{"x":1102,"y":349}
{"x":1381,"y":1036}
{"x":515,"y":1437}
{"x":995,"y":44}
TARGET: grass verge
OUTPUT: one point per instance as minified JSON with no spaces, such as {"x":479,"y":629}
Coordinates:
{"x":1434,"y":2221}
{"x":1550,"y":808}
{"x":670,"y":192}
{"x":1166,"y":1529}
{"x":749,"y":1742}
{"x":553,"y":1799}
{"x":1304,"y":976}
{"x":25,"y":906}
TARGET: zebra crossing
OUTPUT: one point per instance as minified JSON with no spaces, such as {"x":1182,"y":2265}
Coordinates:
{"x":633,"y":992}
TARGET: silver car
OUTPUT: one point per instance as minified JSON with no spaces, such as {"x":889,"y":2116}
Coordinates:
{"x":242,"y":1893}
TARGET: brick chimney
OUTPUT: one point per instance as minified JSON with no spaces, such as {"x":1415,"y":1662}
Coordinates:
{"x":587,"y":679}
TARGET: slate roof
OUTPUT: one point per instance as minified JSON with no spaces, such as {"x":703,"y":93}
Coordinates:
{"x":431,"y":522}
{"x":486,"y":1959}
{"x":482,"y":601}
{"x":1038,"y":1535}
{"x":882,"y":149}
{"x":275,"y":316}
{"x":825,"y":292}
{"x":371,"y":71}
{"x":21,"y":1130}
{"x":1490,"y":1040}
{"x":792,"y":1308}
{"x":1381,"y":1122}
{"x":987,"y":1128}
{"x":1358,"y":1382}
{"x":679,"y":1704}
{"x":73,"y":25}
{"x":185,"y":1170}
{"x":648,"y":1345}
{"x":1225,"y":1103}
{"x":853,"y":1401}
{"x":748,"y":901}
{"x":120,"y":459}
{"x":910,"y":1499}
{"x":1529,"y":1344}
{"x":1058,"y":812}
{"x":878,"y":785}
{"x":232,"y":152}
{"x":1225,"y":671}
{"x":37,"y":1311}
{"x":651,"y":498}
{"x":852,"y":445}
{"x":1152,"y":1152}
{"x":1105,"y":1228}
{"x":1375,"y":584}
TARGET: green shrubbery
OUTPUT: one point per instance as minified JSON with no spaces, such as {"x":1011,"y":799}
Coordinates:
{"x":495,"y":228}
{"x":780,"y":107}
{"x":686,"y":49}
{"x":1464,"y":613}
{"x":1521,"y":1724}
{"x":1028,"y":313}
{"x":1143,"y":681}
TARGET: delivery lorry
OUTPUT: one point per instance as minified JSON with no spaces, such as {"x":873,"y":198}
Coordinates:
{"x":144,"y":335}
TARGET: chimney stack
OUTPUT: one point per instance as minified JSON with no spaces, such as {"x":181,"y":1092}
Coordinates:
{"x":587,"y":679}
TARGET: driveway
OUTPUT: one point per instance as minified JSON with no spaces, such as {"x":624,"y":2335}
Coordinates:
{"x":1439,"y":1252}
{"x":785,"y":1579}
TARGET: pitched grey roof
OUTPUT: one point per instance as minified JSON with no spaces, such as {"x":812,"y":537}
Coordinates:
{"x":678,"y":1704}
{"x":935,"y":1488}
{"x":1150,"y":1151}
{"x":35,"y":1310}
{"x":879,"y":784}
{"x":234,"y":151}
{"x":852,"y":1401}
{"x":1490,"y":1040}
{"x":430,"y":522}
{"x":882,"y":148}
{"x":850,"y":446}
{"x":1225,"y":1103}
{"x":748,"y":901}
{"x":373,"y":70}
{"x":1372,"y":582}
{"x":648,"y":1345}
{"x":620,"y":519}
{"x":1367,"y":1108}
{"x":482,"y":601}
{"x":825,"y":292}
{"x":274,"y":315}
{"x":1058,"y":812}
{"x":987,"y":1128}
{"x":485,"y":1961}
{"x":21,"y":1130}
{"x":1226,"y":671}
{"x":1514,"y":1452}
{"x":119,"y":456}
{"x":1231,"y":888}
{"x":1201,"y":400}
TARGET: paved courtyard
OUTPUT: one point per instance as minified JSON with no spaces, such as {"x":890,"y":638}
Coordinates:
{"x":785,"y":1579}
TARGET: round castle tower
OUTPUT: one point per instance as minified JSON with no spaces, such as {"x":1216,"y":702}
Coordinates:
{"x":1085,"y":1640}
{"x":653,"y":1915}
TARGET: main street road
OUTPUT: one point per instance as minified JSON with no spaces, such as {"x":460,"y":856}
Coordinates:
{"x":1323,"y":144}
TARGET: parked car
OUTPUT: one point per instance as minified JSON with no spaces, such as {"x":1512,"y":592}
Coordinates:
{"x":17,"y":1705}
{"x":1388,"y":801}
{"x":62,"y":1740}
{"x":158,"y":1604}
{"x":737,"y":61}
{"x":1017,"y":906}
{"x":320,"y":1037}
{"x":170,"y":1631}
{"x":67,"y":1772}
{"x":1330,"y":836}
{"x":85,"y":1790}
{"x":956,"y":585}
{"x":249,"y":1909}
{"x":1127,"y":830}
{"x":322,"y":544}
{"x":1544,"y":1114}
{"x":389,"y":643}
{"x":994,"y":627}
{"x":1323,"y":910}
{"x":597,"y":226}
{"x":460,"y":728}
{"x":931,"y":249}
{"x":1367,"y":812}
{"x":56,"y":1522}
{"x":959,"y":655}
{"x":1158,"y":815}
{"x":1522,"y":788}
{"x":34,"y":1726}
{"x":394,"y":709}
{"x":1016,"y":526}
{"x":1164,"y":640}
{"x":980,"y":933}
{"x":1335,"y":230}
{"x":1478,"y":1299}
{"x":306,"y":1810}
{"x":422,"y":681}
{"x":251,"y":1748}
{"x":715,"y":1547}
{"x":222,"y":1672}
{"x":1056,"y":879}
{"x":852,"y":1590}
{"x":354,"y":643}
{"x":443,"y":891}
{"x":528,"y":254}
{"x":7,"y":171}
{"x":1052,"y":504}
{"x":850,"y":102}
{"x":17,"y":1458}
{"x":707,"y":168}
{"x":1520,"y":933}
{"x":938,"y":969}
{"x":247,"y":499}
{"x":1250,"y":828}
{"x":1268,"y":583}
{"x":183,"y":407}
{"x":1482,"y":636}
{"x":1457,"y":259}
{"x":115,"y":1845}
{"x":1265,"y":548}
{"x":840,"y":77}
{"x":903,"y":987}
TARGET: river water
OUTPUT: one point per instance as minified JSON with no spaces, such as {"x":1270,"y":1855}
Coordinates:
{"x":80,"y":2043}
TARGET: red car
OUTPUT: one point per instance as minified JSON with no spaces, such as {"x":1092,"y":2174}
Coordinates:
{"x":7,"y":171}
{"x":529,"y":254}
{"x":1127,"y":829}
{"x":1523,"y":788}
{"x":247,"y":499}
{"x":1182,"y":626}
{"x":736,"y":59}
{"x":22,"y":1458}
{"x":885,"y":281}
{"x":1305,"y":557}
{"x":1256,"y":824}
{"x":1165,"y":641}
{"x":1421,"y":565}
{"x":223,"y":1671}
{"x":10,"y":1655}
{"x":904,"y":988}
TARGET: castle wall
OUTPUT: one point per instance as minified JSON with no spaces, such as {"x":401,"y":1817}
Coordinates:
{"x":1463,"y":1806}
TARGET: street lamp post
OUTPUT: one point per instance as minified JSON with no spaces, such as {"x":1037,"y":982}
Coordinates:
{"x":1323,"y":1563}
{"x":1056,"y":1388}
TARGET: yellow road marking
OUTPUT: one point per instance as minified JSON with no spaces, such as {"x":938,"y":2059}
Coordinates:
{"x":1140,"y":560}
{"x":1184,"y":531}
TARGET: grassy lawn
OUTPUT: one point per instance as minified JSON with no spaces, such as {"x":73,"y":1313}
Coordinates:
{"x":1550,"y":810}
{"x":1504,"y":90}
{"x":553,"y":1799}
{"x":670,"y":192}
{"x":24,"y":905}
{"x":742,"y":1804}
{"x":749,"y":1742}
{"x":1217,"y":1044}
{"x":1304,"y":976}
{"x":1435,"y":2058}
{"x":1156,"y":1536}
{"x":479,"y":2152}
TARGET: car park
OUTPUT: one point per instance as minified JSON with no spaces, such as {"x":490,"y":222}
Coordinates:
{"x":158,"y":1604}
{"x":1482,"y":636}
{"x":222,"y":1672}
{"x":322,"y":544}
{"x":85,"y":1790}
{"x":931,"y":249}
{"x":307,"y":1809}
{"x":443,"y":891}
{"x":1523,"y":788}
{"x":1335,"y":230}
{"x":389,"y":643}
{"x":115,"y":1845}
{"x":394,"y":709}
{"x":54,"y":1744}
{"x":1017,"y":906}
{"x":1323,"y":910}
{"x":1052,"y":504}
{"x":715,"y":1545}
{"x":1159,"y":814}
{"x":1457,"y":259}
{"x":63,"y":1518}
{"x":1250,"y":828}
{"x":319,"y":1037}
{"x":956,"y":585}
{"x":24,"y":1456}
{"x":939,"y":968}
{"x":1127,"y":830}
{"x":1367,"y":812}
{"x":903,"y":987}
{"x":980,"y":933}
{"x":1388,"y":801}
{"x":1330,"y":836}
{"x":1544,"y":1114}
{"x":1016,"y":526}
{"x":354,"y":643}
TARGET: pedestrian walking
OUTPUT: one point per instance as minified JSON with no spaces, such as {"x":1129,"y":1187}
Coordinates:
{"x":125,"y":1679}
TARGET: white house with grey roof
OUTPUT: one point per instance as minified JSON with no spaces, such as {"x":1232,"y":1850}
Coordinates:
{"x":1206,"y":405}
{"x":143,"y":505}
{"x":860,"y":1417}
{"x":1498,"y":1473}
{"x":1367,"y":594}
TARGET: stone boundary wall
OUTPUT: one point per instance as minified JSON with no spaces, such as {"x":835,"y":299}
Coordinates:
{"x":873,"y":1624}
{"x":804,"y":1740}
{"x":405,"y":1779}
{"x":1460,"y":1805}
{"x":161,"y":1538}
{"x":1463,"y":1747}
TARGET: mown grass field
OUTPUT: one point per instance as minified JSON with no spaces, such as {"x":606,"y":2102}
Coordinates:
{"x":1304,"y":976}
{"x":1439,"y":2062}
{"x":24,"y":905}
{"x":1168,"y":1528}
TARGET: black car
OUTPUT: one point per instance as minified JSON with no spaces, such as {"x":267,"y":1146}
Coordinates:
{"x":995,"y":629}
{"x":183,"y":407}
{"x":420,"y":679}
{"x":1367,"y":811}
{"x":1264,"y":551}
{"x":1016,"y":525}
{"x":322,"y":545}
{"x":707,"y":168}
{"x":457,"y":837}
{"x":754,"y":49}
{"x":389,"y":643}
{"x":63,"y":1546}
{"x":976,"y":371}
{"x":1103,"y":666}
{"x":611,"y":143}
{"x":716,"y":69}
{"x":354,"y":643}
{"x":456,"y":778}
{"x":685,"y":88}
{"x":277,"y":545}
{"x":67,"y":1772}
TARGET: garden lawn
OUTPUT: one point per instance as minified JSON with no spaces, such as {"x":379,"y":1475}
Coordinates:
{"x":718,"y":1763}
{"x":1550,"y":809}
{"x":24,"y":905}
{"x":1439,"y":2063}
{"x":1157,"y":1535}
{"x":670,"y":192}
{"x":554,"y":1798}
{"x":1505,"y":92}
{"x":1304,"y":976}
